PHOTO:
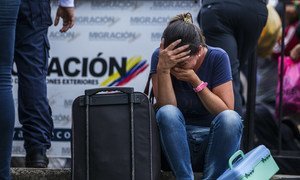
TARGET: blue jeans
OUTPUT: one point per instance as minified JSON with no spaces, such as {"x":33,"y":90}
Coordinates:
{"x":31,"y":57}
{"x":8,"y":17}
{"x":206,"y":148}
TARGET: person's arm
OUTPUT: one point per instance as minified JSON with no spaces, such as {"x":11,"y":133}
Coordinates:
{"x":166,"y":94}
{"x":219,"y":99}
{"x":161,"y":81}
{"x":65,"y":11}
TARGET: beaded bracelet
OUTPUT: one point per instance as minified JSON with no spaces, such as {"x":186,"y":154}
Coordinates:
{"x":200,"y":87}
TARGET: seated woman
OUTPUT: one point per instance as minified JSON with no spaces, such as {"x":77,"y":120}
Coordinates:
{"x":192,"y":85}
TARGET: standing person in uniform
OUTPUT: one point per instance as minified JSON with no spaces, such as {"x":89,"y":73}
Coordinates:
{"x":192,"y":85}
{"x":235,"y":26}
{"x":31,"y":57}
{"x":8,"y":18}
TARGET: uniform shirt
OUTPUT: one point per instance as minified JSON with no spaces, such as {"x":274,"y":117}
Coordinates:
{"x":215,"y":70}
{"x":66,"y":3}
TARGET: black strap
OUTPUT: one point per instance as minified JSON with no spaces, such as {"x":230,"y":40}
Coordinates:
{"x":132,"y":142}
{"x":148,"y":91}
{"x":87,"y":113}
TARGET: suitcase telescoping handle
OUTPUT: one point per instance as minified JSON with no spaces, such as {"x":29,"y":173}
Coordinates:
{"x":90,"y":92}
{"x":234,"y":156}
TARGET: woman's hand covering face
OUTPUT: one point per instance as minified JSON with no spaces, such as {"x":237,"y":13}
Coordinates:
{"x":170,"y":56}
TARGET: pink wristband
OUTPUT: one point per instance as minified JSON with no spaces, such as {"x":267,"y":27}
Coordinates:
{"x":200,"y":87}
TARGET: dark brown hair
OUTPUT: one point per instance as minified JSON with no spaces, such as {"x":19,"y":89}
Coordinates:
{"x":182,"y":27}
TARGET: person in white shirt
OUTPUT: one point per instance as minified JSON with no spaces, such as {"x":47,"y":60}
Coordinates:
{"x":31,"y":58}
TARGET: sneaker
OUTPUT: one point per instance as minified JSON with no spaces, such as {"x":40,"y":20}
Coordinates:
{"x":36,"y":159}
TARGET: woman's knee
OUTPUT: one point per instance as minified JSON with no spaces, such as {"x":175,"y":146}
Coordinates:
{"x":168,"y":115}
{"x":229,"y":120}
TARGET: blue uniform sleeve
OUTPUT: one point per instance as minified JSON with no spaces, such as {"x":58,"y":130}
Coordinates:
{"x":154,"y":61}
{"x":221,"y":71}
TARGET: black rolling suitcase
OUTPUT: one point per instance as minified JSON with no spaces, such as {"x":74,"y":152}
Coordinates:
{"x":115,"y":136}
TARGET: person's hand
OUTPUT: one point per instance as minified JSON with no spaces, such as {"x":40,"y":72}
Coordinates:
{"x":295,"y":53}
{"x":187,"y":75}
{"x":67,"y":14}
{"x":169,"y":57}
